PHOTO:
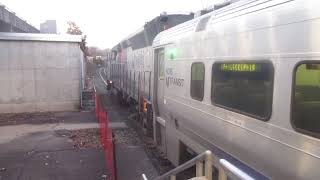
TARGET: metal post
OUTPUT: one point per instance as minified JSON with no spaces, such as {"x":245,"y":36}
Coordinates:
{"x":149,"y":91}
{"x":144,"y":84}
{"x":233,"y":171}
{"x":144,"y":177}
{"x":126,"y":81}
{"x":199,"y":169}
{"x":139,"y":89}
{"x":222,"y":174}
{"x":129,"y":89}
{"x":134,"y":84}
{"x":208,"y":165}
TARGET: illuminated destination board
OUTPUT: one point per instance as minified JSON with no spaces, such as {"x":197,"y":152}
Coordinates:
{"x":241,"y":67}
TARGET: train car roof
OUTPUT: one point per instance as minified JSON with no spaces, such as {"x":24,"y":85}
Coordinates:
{"x":138,"y":38}
{"x":189,"y":27}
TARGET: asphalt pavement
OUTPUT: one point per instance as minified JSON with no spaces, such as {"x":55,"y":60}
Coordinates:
{"x":132,"y":159}
{"x":47,"y":150}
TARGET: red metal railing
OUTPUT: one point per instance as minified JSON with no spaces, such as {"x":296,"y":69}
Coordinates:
{"x":106,"y":136}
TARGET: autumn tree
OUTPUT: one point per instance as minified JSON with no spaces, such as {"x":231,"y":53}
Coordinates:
{"x":73,"y":28}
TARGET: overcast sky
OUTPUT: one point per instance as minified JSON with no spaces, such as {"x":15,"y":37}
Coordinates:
{"x":105,"y":22}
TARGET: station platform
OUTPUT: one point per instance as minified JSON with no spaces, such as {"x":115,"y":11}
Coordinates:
{"x":130,"y":156}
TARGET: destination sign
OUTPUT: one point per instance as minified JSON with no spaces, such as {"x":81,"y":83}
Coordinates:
{"x":313,"y":66}
{"x":241,"y":67}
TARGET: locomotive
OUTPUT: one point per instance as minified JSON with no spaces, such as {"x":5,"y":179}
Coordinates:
{"x":242,"y":81}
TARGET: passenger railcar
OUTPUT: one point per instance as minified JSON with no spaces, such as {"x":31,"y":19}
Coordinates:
{"x":130,"y":65}
{"x":244,"y":82}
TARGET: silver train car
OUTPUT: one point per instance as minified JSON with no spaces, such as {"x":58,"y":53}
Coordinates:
{"x":242,"y":81}
{"x":129,"y":66}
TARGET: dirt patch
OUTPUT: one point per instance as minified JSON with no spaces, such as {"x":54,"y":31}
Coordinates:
{"x":82,"y":138}
{"x":46,"y":118}
{"x":86,"y":138}
{"x":126,"y":136}
{"x":30,"y":118}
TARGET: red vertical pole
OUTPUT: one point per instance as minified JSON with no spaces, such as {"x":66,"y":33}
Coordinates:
{"x":103,"y":128}
{"x":96,"y":103}
{"x":106,"y":136}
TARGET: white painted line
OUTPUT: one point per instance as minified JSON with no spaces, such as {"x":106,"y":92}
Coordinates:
{"x":102,"y":77}
{"x":115,"y":125}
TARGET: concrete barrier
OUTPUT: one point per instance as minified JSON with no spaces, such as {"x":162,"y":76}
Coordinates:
{"x":39,"y":72}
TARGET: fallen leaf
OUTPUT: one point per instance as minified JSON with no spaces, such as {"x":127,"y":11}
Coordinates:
{"x":3,"y":169}
{"x":104,"y":176}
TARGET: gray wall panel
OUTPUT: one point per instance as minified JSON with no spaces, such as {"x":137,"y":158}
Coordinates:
{"x":39,"y":76}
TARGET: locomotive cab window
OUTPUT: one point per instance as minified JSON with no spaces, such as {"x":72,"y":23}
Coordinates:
{"x":246,"y":88}
{"x":197,"y":81}
{"x":160,"y":57}
{"x":306,"y":99}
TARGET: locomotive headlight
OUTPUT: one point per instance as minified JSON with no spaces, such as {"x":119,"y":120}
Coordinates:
{"x":110,"y":82}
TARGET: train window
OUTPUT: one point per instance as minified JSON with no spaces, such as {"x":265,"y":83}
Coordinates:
{"x":161,"y":64}
{"x":246,"y":88}
{"x":197,"y":81}
{"x":202,"y":24}
{"x":306,"y":98}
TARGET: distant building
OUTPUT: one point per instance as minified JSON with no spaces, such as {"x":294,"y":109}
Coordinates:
{"x":48,"y":27}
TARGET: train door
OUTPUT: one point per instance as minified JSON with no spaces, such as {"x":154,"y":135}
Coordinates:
{"x":159,"y":74}
{"x":159,"y":132}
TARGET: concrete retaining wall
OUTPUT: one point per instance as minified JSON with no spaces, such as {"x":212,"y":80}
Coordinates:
{"x":39,"y":74}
